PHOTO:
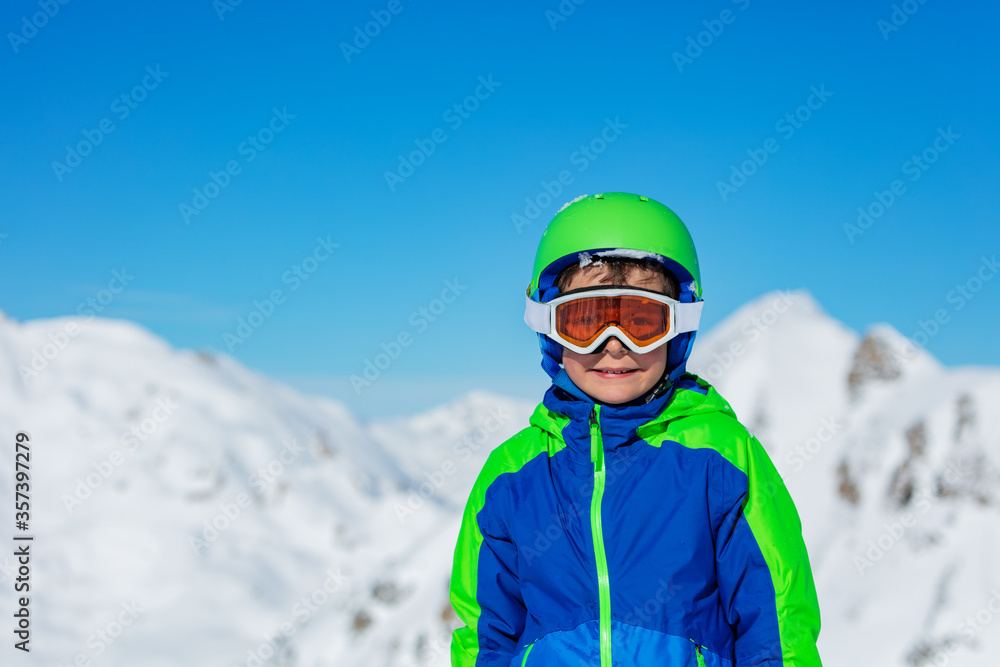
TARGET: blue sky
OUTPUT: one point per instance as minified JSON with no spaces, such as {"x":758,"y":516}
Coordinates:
{"x":272,"y":83}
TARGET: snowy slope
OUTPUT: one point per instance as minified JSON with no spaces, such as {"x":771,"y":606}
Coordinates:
{"x":230,"y":507}
{"x":332,"y":539}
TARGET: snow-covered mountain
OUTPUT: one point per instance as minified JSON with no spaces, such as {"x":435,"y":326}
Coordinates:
{"x":189,"y":511}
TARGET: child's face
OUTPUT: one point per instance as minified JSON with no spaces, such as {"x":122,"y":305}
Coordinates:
{"x":588,"y":371}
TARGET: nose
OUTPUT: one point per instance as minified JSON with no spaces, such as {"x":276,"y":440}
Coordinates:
{"x":612,"y":346}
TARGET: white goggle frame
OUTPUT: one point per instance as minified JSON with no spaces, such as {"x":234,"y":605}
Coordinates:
{"x":541,"y":317}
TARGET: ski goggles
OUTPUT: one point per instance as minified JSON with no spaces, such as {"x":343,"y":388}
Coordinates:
{"x":582,"y":320}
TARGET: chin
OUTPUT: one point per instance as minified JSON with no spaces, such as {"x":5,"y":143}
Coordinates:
{"x":612,"y":391}
{"x":616,"y":395}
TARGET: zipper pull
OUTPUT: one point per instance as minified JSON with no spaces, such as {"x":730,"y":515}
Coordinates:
{"x":596,"y":446}
{"x":698,"y":655}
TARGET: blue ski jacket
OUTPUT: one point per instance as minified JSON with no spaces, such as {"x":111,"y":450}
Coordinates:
{"x":633,"y":535}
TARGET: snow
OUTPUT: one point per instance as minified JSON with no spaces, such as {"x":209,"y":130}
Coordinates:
{"x":325,"y":540}
{"x":585,"y":258}
{"x":628,"y":252}
{"x":572,"y":201}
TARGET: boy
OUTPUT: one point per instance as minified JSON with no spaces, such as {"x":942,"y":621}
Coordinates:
{"x":635,"y":522}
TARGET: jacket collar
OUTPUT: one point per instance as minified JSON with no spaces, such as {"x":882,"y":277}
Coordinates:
{"x":618,"y":422}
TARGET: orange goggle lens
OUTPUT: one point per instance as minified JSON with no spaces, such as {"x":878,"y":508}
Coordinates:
{"x":581,"y":321}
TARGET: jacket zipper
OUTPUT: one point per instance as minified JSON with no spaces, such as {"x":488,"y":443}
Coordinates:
{"x":603,"y":586}
{"x":698,"y":655}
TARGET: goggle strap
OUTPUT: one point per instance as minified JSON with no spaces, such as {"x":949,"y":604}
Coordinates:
{"x":687,"y":316}
{"x":537,"y":315}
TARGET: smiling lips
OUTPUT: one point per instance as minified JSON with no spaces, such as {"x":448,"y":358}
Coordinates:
{"x":611,"y":372}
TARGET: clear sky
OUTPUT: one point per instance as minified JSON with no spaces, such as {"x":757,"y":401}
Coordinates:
{"x":242,"y":134}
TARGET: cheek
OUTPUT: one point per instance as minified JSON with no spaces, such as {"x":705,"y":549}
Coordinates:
{"x":571,"y":358}
{"x":655,"y":360}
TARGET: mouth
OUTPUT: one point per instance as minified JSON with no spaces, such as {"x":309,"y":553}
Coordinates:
{"x":614,"y":373}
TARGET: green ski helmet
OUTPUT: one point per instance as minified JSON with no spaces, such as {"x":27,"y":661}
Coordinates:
{"x":616,"y":224}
